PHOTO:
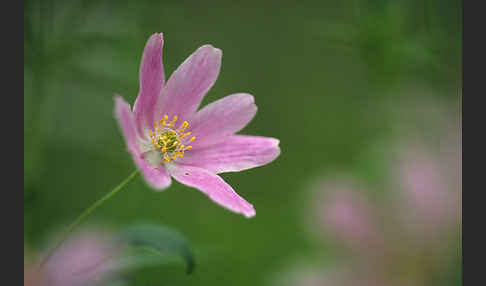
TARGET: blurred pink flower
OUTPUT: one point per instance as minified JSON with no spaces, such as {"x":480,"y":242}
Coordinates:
{"x":381,"y":243}
{"x":343,"y":212}
{"x":430,"y":192}
{"x":428,"y":173}
{"x":83,"y":260}
{"x":168,"y":137}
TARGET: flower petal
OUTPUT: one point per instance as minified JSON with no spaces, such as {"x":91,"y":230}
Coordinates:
{"x":158,"y":179}
{"x":213,"y":186}
{"x":152,"y":79}
{"x":189,"y":83}
{"x":223,"y":117}
{"x":235,"y":153}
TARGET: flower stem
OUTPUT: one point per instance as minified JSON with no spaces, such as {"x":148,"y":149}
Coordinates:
{"x":88,"y":211}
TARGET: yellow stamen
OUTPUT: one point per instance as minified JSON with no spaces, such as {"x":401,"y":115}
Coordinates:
{"x":168,"y":141}
{"x":184,"y":125}
{"x":173,"y":121}
{"x":185,"y":134}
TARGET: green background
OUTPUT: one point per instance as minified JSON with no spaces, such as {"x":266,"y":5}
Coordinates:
{"x":323,"y":73}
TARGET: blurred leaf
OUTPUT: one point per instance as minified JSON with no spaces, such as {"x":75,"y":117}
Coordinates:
{"x":156,"y":244}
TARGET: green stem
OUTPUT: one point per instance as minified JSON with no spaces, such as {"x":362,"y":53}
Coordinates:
{"x":88,"y":211}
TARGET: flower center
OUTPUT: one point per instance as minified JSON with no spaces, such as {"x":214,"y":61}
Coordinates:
{"x":169,"y":142}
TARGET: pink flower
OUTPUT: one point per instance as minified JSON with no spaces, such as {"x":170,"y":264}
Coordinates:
{"x":87,"y":258}
{"x":340,"y":207}
{"x":431,"y":191}
{"x":168,"y":137}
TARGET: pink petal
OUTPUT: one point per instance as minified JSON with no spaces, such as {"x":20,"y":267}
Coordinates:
{"x":221,"y":118}
{"x":157,"y":178}
{"x":213,"y":186}
{"x":189,"y":83}
{"x":152,"y":79}
{"x":235,"y":153}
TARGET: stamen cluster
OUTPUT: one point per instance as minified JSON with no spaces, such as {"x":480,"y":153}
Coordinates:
{"x":168,"y":141}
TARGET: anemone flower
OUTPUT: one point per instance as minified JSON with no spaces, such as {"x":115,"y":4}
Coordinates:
{"x":168,"y":137}
{"x":87,"y":258}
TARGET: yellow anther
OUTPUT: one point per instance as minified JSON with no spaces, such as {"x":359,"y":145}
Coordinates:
{"x":184,"y":125}
{"x":151,"y":133}
{"x":192,"y":139}
{"x":155,"y":124}
{"x":163,"y":120}
{"x":185,"y":134}
{"x":188,"y":147}
{"x":173,"y":121}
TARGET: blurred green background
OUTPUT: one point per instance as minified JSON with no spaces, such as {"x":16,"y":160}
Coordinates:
{"x":323,"y":73}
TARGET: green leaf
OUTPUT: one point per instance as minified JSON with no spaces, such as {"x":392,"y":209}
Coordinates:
{"x":156,"y":244}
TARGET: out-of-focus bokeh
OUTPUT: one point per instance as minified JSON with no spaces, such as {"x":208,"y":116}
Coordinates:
{"x":365,"y":97}
{"x":408,"y":233}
